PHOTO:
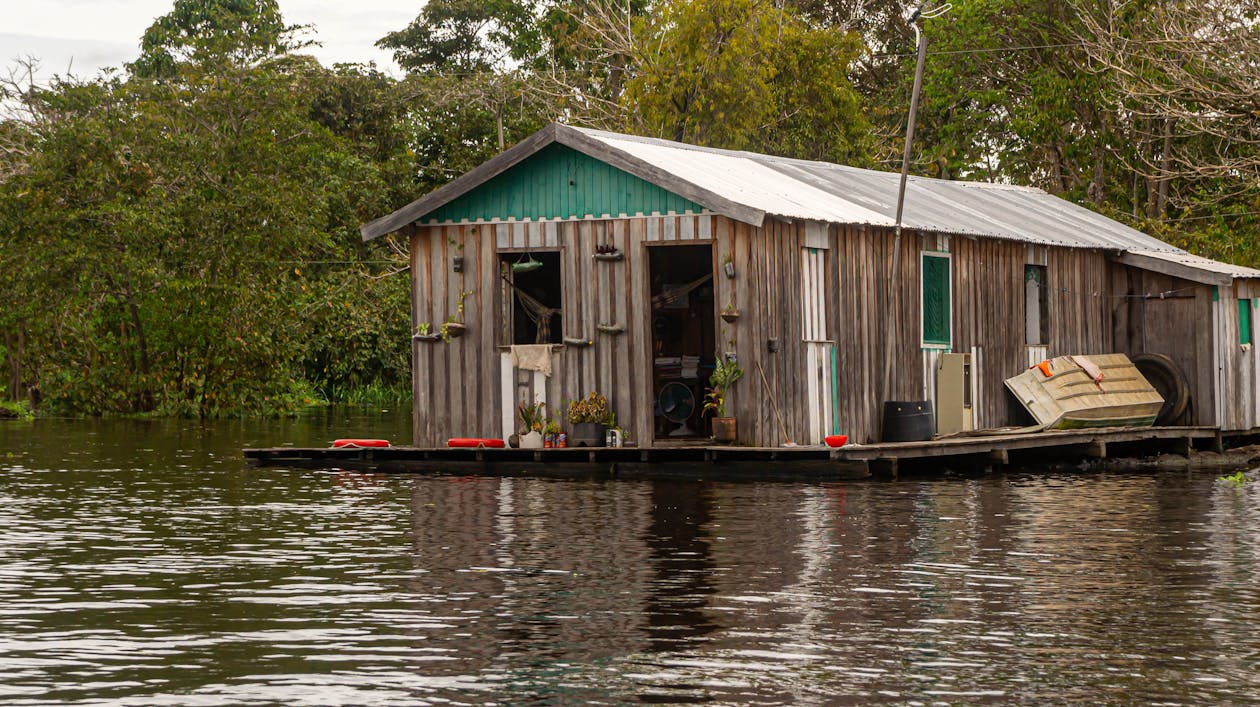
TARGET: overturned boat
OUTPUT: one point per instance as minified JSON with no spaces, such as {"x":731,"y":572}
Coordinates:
{"x":1074,"y":392}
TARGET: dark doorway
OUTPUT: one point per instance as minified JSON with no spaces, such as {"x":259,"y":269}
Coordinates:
{"x":683,"y":341}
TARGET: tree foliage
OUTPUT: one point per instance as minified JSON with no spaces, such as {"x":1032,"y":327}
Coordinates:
{"x":189,"y":246}
{"x":182,"y":238}
{"x":744,"y":74}
{"x":205,"y":32}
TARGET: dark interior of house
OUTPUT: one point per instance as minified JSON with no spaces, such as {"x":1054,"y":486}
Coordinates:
{"x":683,"y":341}
{"x":536,"y":296}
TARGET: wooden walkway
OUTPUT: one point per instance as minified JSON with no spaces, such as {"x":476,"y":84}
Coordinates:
{"x":852,"y":461}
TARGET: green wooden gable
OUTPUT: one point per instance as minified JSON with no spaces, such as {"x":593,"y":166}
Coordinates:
{"x":560,"y":183}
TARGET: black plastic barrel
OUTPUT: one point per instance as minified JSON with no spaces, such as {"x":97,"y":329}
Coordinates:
{"x":908,"y":421}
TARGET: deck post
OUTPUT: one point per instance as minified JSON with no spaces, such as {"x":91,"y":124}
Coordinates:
{"x":1183,"y":446}
{"x":1000,"y":456}
{"x":1097,"y":449}
{"x":884,"y":466}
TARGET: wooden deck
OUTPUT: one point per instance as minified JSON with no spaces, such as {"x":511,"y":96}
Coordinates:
{"x":852,"y":461}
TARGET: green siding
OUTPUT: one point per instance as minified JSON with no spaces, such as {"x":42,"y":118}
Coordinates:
{"x":560,"y":183}
{"x":935,"y":300}
{"x":1244,"y":321}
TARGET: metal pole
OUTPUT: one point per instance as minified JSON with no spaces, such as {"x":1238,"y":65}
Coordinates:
{"x":892,"y":302}
{"x":921,"y":41}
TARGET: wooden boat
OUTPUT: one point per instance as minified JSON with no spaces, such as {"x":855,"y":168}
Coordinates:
{"x":1073,"y":392}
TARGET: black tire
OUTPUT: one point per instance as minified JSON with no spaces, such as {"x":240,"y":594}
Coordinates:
{"x":1168,"y":380}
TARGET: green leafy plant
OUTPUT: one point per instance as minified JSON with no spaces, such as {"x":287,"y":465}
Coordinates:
{"x":591,"y":409}
{"x":725,"y":373}
{"x":1238,"y":478}
{"x":532,"y":417}
{"x":459,"y":314}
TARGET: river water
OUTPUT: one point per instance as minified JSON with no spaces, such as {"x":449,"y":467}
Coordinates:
{"x":143,"y":563}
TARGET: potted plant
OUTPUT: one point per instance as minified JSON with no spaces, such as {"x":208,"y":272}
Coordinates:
{"x":454,"y":327}
{"x":532,"y":422}
{"x":590,"y":418}
{"x":607,"y":252}
{"x":424,"y":332}
{"x":725,"y":372}
{"x":729,"y":313}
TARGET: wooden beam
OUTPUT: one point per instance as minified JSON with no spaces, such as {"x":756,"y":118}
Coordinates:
{"x":999,"y":456}
{"x":884,"y":466}
{"x":1169,"y":267}
{"x":1097,"y":449}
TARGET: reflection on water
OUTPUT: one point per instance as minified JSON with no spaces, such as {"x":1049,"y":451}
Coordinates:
{"x":143,"y":563}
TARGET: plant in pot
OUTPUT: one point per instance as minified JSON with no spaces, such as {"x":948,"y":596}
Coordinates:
{"x":725,"y":372}
{"x":454,"y":326}
{"x":729,"y":313}
{"x":590,"y":419}
{"x":532,"y":422}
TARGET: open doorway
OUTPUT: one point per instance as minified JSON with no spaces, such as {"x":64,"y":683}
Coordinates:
{"x":683,"y":338}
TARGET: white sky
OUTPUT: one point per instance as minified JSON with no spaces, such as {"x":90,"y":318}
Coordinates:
{"x":84,"y":36}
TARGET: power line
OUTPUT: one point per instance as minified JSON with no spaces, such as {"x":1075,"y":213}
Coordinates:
{"x":1059,"y":45}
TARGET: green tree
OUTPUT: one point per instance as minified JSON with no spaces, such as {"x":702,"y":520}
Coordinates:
{"x":464,"y":36}
{"x":189,"y":246}
{"x":745,"y":74}
{"x":241,"y":32}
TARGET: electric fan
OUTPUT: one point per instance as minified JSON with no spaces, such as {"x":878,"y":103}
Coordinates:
{"x":676,"y":403}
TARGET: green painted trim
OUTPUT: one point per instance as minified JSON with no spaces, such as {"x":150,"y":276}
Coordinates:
{"x":835,"y":392}
{"x":1069,"y":423}
{"x":935,"y":294}
{"x":1216,"y":294}
{"x":1245,"y":333}
{"x":560,"y":183}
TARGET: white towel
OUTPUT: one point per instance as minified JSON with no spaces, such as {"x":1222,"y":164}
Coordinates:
{"x":533,"y":357}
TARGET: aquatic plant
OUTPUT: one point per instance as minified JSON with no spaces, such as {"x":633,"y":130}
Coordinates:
{"x":1238,"y":479}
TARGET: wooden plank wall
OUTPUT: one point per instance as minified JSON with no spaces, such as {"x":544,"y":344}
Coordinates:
{"x":458,"y":387}
{"x":861,"y":258}
{"x":989,"y":314}
{"x":1178,"y":325}
{"x":1236,"y":365}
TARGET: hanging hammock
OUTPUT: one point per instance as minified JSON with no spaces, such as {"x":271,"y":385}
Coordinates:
{"x":538,"y":313}
{"x":677,"y":293}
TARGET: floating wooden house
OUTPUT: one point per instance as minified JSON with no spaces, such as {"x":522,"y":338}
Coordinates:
{"x":582,"y":261}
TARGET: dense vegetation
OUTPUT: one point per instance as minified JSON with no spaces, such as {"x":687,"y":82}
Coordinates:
{"x":180,"y":236}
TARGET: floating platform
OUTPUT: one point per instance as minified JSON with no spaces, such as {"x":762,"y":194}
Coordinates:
{"x":853,"y":461}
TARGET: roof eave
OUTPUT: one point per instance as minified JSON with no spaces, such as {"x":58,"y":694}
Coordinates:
{"x":597,"y":149}
{"x":460,"y":185}
{"x":1175,"y":269}
{"x":576,"y":140}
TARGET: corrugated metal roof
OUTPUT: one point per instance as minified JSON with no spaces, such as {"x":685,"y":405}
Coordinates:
{"x":747,"y":186}
{"x":821,"y":191}
{"x":1200,"y":263}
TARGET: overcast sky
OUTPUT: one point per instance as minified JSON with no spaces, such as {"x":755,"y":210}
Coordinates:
{"x":84,"y":36}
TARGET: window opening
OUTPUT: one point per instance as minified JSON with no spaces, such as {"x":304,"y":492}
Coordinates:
{"x":1244,"y":322}
{"x":935,"y":299}
{"x":534,"y":297}
{"x":1036,"y":324}
{"x":814,"y":294}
